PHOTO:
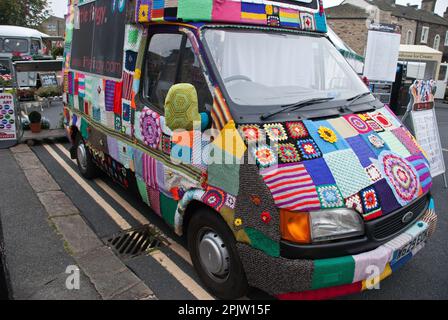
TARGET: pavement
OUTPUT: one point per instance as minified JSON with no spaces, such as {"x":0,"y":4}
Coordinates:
{"x":37,"y":255}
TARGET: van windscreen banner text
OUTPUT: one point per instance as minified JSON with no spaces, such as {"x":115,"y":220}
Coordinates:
{"x":94,"y":50}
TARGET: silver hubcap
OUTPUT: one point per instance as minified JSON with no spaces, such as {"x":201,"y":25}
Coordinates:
{"x":214,"y":255}
{"x":82,"y":156}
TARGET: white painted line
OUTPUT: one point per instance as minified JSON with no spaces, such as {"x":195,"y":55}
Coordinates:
{"x":118,"y":219}
{"x":181,"y":276}
{"x":176,"y":247}
{"x":192,"y":286}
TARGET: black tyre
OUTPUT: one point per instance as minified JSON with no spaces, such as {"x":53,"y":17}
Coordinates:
{"x":84,"y":159}
{"x":213,"y":251}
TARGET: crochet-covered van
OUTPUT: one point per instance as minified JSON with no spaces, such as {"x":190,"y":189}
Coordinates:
{"x":155,"y":119}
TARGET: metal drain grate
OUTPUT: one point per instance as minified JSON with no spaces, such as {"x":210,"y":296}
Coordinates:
{"x":134,"y":242}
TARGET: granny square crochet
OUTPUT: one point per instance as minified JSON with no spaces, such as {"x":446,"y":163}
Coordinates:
{"x":308,"y":149}
{"x":287,"y":153}
{"x":354,"y":202}
{"x":297,"y":130}
{"x":370,"y":202}
{"x":330,"y":197}
{"x":276,"y":132}
{"x":348,"y":172}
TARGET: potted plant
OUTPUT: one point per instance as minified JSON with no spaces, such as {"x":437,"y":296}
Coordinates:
{"x":35,"y":122}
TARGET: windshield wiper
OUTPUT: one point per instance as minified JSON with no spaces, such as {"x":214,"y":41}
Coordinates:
{"x":356,"y":98}
{"x":294,"y":107}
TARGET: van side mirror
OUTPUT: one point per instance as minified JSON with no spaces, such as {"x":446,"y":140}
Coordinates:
{"x":181,"y":107}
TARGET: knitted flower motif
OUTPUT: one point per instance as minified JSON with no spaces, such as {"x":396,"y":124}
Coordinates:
{"x":328,"y":135}
{"x":266,"y":217}
{"x":238,"y":222}
{"x":376,"y":141}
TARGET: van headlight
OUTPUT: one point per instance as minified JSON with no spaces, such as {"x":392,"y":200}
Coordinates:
{"x":335,"y":224}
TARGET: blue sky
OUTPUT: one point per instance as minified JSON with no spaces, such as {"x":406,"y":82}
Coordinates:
{"x":59,"y":7}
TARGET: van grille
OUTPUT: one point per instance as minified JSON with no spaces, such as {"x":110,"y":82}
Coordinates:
{"x":393,"y":224}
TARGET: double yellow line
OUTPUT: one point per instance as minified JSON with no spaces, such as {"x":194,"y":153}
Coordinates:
{"x":184,"y":279}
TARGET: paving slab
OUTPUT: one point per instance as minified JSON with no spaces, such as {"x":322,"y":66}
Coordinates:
{"x":28,"y":161}
{"x":41,"y":181}
{"x":57,"y":204}
{"x":79,"y":236}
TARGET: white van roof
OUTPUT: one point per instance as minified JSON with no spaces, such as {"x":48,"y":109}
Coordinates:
{"x":14,"y":31}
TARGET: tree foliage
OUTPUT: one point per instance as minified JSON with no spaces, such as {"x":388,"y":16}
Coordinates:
{"x":25,"y":13}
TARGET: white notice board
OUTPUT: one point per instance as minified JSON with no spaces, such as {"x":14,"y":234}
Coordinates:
{"x":382,"y":53}
{"x":427,"y":134}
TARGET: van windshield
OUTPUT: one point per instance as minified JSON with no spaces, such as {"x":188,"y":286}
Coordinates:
{"x":261,"y":68}
{"x":12,"y":45}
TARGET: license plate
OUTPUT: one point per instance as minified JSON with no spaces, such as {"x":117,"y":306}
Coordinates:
{"x":414,"y":246}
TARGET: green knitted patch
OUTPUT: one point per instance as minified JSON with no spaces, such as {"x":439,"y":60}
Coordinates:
{"x":84,"y":126}
{"x":333,"y":272}
{"x":168,"y":207}
{"x":142,"y":190}
{"x":259,"y":241}
{"x":133,"y":36}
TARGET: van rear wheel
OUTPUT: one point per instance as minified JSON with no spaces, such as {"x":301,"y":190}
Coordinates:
{"x":214,"y":255}
{"x":84,"y":160}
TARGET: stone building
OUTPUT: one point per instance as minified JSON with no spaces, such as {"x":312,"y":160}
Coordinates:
{"x":53,"y":26}
{"x":350,"y":20}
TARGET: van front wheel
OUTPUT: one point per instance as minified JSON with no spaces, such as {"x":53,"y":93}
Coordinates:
{"x":214,"y":255}
{"x":85,"y":162}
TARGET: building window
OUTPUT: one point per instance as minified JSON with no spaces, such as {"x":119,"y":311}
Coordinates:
{"x":446,"y":38}
{"x":436,"y":43}
{"x":425,"y":33}
{"x":409,"y":36}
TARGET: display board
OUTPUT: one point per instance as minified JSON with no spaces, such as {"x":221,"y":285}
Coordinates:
{"x":383,"y":48}
{"x":98,"y":38}
{"x":8,"y":133}
{"x":48,"y":79}
{"x":424,"y":121}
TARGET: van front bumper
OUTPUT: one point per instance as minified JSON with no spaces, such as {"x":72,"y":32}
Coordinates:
{"x":328,"y":278}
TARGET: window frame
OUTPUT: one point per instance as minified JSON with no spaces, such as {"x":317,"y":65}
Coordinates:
{"x":446,"y":39}
{"x":424,"y":35}
{"x":141,"y":98}
{"x":409,"y":36}
{"x":436,"y":37}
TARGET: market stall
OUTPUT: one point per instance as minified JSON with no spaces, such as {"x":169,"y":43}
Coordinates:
{"x":40,"y":108}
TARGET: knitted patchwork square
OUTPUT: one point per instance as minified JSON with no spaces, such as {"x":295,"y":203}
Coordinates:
{"x":292,"y":187}
{"x":230,"y":201}
{"x":406,"y":139}
{"x":288,"y":153}
{"x":251,"y":133}
{"x":387,"y":198}
{"x":348,"y":172}
{"x":308,"y":149}
{"x":374,"y":125}
{"x":373,"y":173}
{"x":297,"y":130}
{"x":324,"y":145}
{"x":362,"y":150}
{"x":343,"y":128}
{"x":357,"y":123}
{"x":382,"y":120}
{"x":265,"y":156}
{"x":214,"y":197}
{"x":276,"y":132}
{"x":394,"y":144}
{"x":166,"y":144}
{"x":354,"y":202}
{"x":370,"y":203}
{"x":421,"y":166}
{"x":319,"y":172}
{"x":330,"y":197}
{"x":375,"y":142}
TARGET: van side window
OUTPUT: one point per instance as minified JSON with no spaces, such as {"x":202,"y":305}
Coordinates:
{"x":161,"y":67}
{"x":191,"y":72}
